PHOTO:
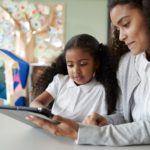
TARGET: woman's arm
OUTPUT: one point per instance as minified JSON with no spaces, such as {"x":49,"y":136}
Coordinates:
{"x":43,"y":100}
{"x":135,"y":133}
{"x":99,"y":120}
{"x":111,"y":135}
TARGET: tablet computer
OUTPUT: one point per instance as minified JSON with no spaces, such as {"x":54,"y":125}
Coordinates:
{"x":19,"y":113}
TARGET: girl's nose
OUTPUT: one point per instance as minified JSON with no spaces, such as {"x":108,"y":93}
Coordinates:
{"x":76,"y":69}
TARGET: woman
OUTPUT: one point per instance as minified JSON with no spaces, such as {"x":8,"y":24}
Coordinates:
{"x":130,"y":19}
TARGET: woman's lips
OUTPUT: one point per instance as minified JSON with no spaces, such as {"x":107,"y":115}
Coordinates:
{"x":130,"y":45}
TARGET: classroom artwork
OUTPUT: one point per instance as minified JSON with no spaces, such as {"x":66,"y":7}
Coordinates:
{"x":32,"y":30}
{"x":2,"y":83}
{"x":13,"y":79}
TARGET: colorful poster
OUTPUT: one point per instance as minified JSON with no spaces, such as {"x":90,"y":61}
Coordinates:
{"x":3,"y":96}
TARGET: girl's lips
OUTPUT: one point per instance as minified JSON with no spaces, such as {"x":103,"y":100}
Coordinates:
{"x":78,"y":78}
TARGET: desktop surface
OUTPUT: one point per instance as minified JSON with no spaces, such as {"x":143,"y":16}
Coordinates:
{"x":15,"y":135}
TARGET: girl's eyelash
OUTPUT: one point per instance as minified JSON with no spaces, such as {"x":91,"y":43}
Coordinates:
{"x":83,"y":64}
{"x":69,"y":65}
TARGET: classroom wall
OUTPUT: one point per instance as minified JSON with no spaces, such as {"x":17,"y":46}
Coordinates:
{"x":84,"y":16}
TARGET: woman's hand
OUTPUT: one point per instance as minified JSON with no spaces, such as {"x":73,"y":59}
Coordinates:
{"x":66,"y":127}
{"x":95,"y":119}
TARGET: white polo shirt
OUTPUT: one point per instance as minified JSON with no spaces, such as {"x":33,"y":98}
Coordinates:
{"x":76,"y":102}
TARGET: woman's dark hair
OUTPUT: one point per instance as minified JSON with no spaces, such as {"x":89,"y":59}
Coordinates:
{"x":118,"y":47}
{"x":133,"y":3}
{"x":105,"y":73}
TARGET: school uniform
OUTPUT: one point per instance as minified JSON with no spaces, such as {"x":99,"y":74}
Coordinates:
{"x":76,"y":102}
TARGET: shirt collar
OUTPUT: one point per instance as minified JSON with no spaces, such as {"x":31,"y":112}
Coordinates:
{"x":85,"y":87}
{"x":141,"y":63}
{"x":145,"y":61}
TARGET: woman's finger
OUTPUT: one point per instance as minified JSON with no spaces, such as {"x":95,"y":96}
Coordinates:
{"x":68,"y":122}
{"x":90,"y":120}
{"x":45,"y":124}
{"x":66,"y":127}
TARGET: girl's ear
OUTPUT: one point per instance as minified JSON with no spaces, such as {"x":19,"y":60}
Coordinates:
{"x":96,"y":68}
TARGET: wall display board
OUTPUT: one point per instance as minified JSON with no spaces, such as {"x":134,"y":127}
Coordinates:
{"x":34,"y":31}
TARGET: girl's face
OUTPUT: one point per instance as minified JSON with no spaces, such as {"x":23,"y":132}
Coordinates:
{"x":80,"y":65}
{"x":131,"y":25}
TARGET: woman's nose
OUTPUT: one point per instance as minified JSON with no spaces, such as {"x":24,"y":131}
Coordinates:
{"x":122,"y":35}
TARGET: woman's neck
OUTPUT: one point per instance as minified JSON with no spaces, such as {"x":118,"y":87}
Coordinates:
{"x":148,"y":55}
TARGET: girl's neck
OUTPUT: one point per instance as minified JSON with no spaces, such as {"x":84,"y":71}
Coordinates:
{"x":84,"y":83}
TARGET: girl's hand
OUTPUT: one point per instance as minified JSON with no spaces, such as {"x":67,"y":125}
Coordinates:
{"x":95,"y":119}
{"x":66,"y":128}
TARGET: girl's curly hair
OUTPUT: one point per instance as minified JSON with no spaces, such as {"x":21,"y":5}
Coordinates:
{"x":105,"y":73}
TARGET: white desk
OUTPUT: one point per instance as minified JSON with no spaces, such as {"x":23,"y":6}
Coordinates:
{"x":15,"y":135}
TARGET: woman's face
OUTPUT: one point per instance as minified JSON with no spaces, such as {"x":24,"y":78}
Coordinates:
{"x":131,"y":25}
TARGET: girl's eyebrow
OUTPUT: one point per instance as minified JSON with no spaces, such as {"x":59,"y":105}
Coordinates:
{"x":69,"y":61}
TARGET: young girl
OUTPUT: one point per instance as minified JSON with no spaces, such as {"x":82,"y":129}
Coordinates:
{"x":84,"y":80}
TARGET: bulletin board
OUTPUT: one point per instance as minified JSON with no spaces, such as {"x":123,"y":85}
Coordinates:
{"x":32,"y":30}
